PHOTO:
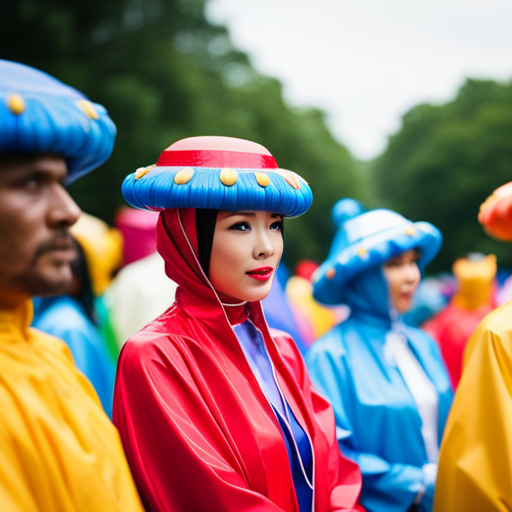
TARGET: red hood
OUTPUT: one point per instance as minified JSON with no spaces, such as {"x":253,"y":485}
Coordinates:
{"x":176,"y":240}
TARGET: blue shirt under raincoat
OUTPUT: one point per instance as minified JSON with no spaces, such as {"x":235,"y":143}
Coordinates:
{"x":386,"y":381}
{"x":65,"y":318}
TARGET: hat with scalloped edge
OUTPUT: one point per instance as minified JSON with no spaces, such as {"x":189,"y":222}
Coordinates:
{"x":495,"y":213}
{"x":40,"y":114}
{"x":366,"y":239}
{"x":222,"y":173}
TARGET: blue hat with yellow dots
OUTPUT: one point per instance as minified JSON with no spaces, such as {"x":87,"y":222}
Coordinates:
{"x":40,"y":114}
{"x":366,"y":239}
{"x":221,"y":173}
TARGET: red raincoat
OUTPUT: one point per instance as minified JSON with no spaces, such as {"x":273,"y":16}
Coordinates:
{"x":198,"y":431}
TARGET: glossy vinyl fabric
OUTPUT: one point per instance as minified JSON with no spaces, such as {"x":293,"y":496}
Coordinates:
{"x":378,"y":424}
{"x":475,"y":467}
{"x":198,"y":431}
{"x":58,"y":449}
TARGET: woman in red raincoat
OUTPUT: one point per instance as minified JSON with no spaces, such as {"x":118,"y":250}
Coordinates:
{"x":215,"y":410}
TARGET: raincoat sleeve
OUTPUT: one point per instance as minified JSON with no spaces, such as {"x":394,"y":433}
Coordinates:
{"x":345,"y":477}
{"x":180,"y":458}
{"x":475,"y":467}
{"x":386,"y":485}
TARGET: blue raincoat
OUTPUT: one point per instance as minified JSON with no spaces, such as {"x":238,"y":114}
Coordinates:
{"x":378,"y":424}
{"x":378,"y":421}
{"x":65,"y":318}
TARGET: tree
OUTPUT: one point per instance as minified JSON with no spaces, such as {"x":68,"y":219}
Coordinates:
{"x":445,"y":161}
{"x":164,"y":73}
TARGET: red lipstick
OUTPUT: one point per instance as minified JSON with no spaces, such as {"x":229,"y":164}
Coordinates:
{"x":261,"y":274}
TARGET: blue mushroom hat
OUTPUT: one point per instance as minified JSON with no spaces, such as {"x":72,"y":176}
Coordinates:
{"x":222,"y":173}
{"x":40,"y":114}
{"x":366,"y":239}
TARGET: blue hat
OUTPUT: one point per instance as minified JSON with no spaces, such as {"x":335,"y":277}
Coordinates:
{"x":221,"y":173}
{"x":40,"y":114}
{"x":366,"y":239}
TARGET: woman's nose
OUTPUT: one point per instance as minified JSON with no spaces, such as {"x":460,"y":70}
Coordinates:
{"x":412,"y":272}
{"x":264,"y":248}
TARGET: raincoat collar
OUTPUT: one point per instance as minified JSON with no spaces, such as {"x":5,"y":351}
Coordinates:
{"x":176,"y":239}
{"x":15,"y":323}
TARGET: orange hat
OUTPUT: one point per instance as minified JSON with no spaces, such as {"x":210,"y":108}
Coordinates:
{"x":496,"y":213}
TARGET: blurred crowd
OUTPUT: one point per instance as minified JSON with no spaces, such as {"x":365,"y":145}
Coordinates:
{"x":356,"y":383}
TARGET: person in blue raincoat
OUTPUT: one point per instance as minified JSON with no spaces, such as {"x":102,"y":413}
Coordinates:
{"x":386,"y":381}
{"x":72,"y":317}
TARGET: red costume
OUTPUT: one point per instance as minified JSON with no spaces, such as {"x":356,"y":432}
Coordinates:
{"x":472,"y":301}
{"x":197,"y":429}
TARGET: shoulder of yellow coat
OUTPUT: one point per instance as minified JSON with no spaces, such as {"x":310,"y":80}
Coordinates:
{"x":495,"y":328}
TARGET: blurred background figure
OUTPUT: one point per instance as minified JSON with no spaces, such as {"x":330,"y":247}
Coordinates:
{"x":103,"y":247}
{"x":280,"y":312}
{"x":140,"y":291}
{"x":138,"y":230}
{"x":472,"y":301}
{"x":385,"y":380}
{"x":475,"y":467}
{"x":430,"y":298}
{"x":78,"y":317}
{"x":315,"y":318}
{"x":72,"y":318}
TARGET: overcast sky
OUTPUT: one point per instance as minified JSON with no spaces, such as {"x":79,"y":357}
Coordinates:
{"x":366,"y":62}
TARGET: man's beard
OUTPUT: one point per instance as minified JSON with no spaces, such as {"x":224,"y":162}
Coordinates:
{"x":36,"y":282}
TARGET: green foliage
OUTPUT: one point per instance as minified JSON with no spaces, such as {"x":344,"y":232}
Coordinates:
{"x":445,"y":161}
{"x":164,"y":73}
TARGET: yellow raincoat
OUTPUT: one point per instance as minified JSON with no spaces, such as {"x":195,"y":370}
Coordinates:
{"x":475,"y":464}
{"x":58,"y":450}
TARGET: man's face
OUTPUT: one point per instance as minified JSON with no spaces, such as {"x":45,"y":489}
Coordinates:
{"x":36,"y":212}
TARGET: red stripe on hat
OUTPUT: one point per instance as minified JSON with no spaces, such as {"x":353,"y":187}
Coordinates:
{"x":221,"y":159}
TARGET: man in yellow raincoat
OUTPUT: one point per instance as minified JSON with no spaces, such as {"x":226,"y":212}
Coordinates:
{"x":475,"y":464}
{"x":58,"y":450}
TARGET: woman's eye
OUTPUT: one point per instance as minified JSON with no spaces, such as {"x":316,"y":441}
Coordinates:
{"x":277,"y":226}
{"x":241,"y":226}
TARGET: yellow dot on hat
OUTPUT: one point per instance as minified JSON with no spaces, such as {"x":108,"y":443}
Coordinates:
{"x":228,"y":177}
{"x":410,"y":231}
{"x":330,"y":273}
{"x":16,"y":104}
{"x":183,"y":176}
{"x":142,"y":171}
{"x":89,"y":109}
{"x":362,"y":252}
{"x":262,"y":178}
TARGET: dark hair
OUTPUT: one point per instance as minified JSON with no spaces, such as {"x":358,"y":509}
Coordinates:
{"x":83,"y":291}
{"x":205,"y":226}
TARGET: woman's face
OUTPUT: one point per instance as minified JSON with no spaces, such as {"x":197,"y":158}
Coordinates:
{"x":246,"y":250}
{"x":403,"y":277}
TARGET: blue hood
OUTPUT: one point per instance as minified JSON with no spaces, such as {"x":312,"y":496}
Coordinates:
{"x":366,"y":240}
{"x":368,"y":295}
